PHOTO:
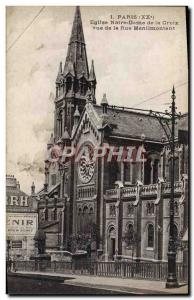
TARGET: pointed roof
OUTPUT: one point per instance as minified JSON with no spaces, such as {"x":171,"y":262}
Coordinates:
{"x":77,"y":34}
{"x":104,"y":100}
{"x":92,"y":76}
{"x":69,"y":69}
{"x":89,"y":95}
{"x":76,"y":53}
{"x":51,"y":140}
{"x":60,"y":72}
{"x":76,"y":113}
{"x":66,"y":135}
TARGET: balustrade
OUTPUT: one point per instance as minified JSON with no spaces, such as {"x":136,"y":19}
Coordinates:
{"x":147,"y":190}
{"x":150,"y":189}
{"x":86,"y":192}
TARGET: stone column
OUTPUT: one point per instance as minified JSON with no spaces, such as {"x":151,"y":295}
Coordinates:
{"x":55,"y":125}
{"x":117,"y":207}
{"x":63,"y":119}
{"x":161,"y":165}
{"x":152,"y":169}
{"x":122,"y":171}
{"x":74,"y":197}
{"x":106,"y":246}
{"x":101,"y":161}
{"x":131,"y":171}
{"x":138,"y":219}
{"x":61,"y":186}
{"x":117,"y":229}
{"x":67,"y":220}
{"x":62,"y":226}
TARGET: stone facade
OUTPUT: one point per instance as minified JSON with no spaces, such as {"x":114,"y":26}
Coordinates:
{"x":80,"y":193}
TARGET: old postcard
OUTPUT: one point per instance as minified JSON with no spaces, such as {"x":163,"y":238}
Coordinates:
{"x":97,"y":198}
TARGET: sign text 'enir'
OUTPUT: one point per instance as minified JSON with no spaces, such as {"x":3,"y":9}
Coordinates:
{"x":21,"y":223}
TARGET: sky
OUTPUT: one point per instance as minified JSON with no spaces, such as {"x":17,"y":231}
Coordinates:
{"x":130,"y":66}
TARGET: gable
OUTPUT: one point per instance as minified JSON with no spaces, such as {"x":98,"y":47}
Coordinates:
{"x":88,"y":127}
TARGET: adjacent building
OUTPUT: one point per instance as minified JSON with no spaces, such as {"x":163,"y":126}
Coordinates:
{"x":21,"y":220}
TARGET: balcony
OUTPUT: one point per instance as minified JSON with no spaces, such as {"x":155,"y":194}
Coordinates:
{"x":178,"y":187}
{"x":149,"y":190}
{"x":146,"y":190}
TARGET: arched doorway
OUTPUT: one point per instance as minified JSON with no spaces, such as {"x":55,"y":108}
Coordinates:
{"x":111,"y":243}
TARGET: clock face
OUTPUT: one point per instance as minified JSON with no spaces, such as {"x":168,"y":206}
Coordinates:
{"x":86,"y":164}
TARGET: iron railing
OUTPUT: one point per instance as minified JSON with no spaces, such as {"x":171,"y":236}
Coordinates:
{"x":122,"y":269}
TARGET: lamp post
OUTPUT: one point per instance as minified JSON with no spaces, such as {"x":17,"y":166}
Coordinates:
{"x":170,"y":134}
{"x":172,"y":278}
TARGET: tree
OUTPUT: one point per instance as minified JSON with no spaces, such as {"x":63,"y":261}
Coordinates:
{"x":83,"y":241}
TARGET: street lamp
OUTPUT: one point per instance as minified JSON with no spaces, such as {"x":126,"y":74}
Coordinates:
{"x":172,"y":278}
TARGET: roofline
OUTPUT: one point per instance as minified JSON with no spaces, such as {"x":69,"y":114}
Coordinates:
{"x":129,"y":110}
{"x":136,"y":139}
{"x":139,"y":139}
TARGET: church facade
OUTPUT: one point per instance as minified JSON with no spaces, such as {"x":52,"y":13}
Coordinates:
{"x":92,"y":183}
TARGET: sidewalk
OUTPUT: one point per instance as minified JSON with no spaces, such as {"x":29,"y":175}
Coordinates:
{"x":115,"y":284}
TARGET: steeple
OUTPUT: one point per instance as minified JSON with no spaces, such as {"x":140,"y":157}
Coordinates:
{"x":104,"y":104}
{"x":92,"y":76}
{"x":92,"y":80}
{"x":77,"y":49}
{"x":74,"y":80}
{"x":60,"y":72}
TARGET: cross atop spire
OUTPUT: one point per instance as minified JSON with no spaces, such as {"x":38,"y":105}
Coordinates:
{"x":77,"y":49}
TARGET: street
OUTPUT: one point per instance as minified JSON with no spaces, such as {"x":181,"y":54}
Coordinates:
{"x":28,"y":286}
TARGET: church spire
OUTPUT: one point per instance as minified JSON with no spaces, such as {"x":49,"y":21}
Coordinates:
{"x":92,"y":76}
{"x":77,"y":34}
{"x":77,"y":49}
{"x":59,"y":73}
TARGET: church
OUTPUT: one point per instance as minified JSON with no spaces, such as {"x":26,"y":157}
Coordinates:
{"x":119,"y":206}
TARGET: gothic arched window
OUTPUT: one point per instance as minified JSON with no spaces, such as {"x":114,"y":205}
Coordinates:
{"x":112,"y":210}
{"x":126,"y":171}
{"x":148,"y":208}
{"x":83,"y":86}
{"x":130,"y":209}
{"x":91,"y":215}
{"x":147,"y":172}
{"x":68,"y":84}
{"x":155,"y":170}
{"x":130,"y":233}
{"x":150,"y":236}
{"x":46,"y":214}
{"x":113,"y":172}
{"x":176,"y":208}
{"x":152,"y":208}
{"x":85,"y":219}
